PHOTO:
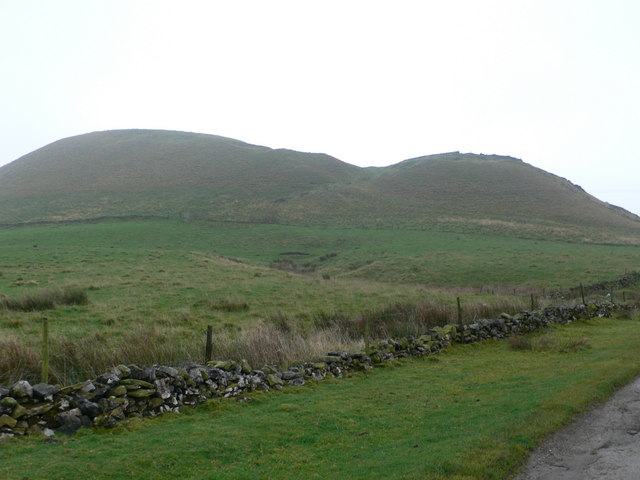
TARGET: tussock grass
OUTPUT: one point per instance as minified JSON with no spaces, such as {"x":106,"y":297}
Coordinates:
{"x":45,"y":299}
{"x":229,"y":304}
{"x":72,"y":296}
{"x":406,"y":318}
{"x":30,"y":302}
{"x":74,"y":360}
{"x":17,"y":360}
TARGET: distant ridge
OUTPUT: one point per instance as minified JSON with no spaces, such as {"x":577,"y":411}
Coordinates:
{"x":184,"y":175}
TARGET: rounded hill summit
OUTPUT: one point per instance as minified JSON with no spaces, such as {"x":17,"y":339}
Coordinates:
{"x":123,"y":173}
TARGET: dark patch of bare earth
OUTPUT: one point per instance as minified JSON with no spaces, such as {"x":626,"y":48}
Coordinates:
{"x":603,"y":443}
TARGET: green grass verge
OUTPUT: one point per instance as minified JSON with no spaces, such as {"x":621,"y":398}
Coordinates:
{"x":473,"y":412}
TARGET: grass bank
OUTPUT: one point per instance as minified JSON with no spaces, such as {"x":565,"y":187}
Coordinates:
{"x":473,"y":412}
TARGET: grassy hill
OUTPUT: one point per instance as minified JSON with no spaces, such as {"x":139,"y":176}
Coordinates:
{"x":501,"y":187}
{"x":144,"y":172}
{"x":398,"y":245}
{"x":188,"y":175}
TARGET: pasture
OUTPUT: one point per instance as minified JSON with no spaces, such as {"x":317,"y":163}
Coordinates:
{"x":167,"y":281}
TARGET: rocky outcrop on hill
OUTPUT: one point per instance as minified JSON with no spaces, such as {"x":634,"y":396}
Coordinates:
{"x":127,"y":391}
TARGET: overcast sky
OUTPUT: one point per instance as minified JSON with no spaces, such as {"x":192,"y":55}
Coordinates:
{"x":553,"y":82}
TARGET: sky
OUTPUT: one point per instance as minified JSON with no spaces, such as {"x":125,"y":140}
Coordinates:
{"x":555,"y":83}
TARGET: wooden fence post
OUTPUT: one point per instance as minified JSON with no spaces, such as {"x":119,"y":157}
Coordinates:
{"x":459,"y":311}
{"x":209,"y":348}
{"x":582,"y":293}
{"x":533,"y":302}
{"x":366,"y":334}
{"x":44,"y":374}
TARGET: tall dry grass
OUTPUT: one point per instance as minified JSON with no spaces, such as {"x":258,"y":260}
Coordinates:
{"x":401,"y":319}
{"x":268,"y":343}
{"x":17,"y":360}
{"x":74,"y":360}
{"x":279,"y":339}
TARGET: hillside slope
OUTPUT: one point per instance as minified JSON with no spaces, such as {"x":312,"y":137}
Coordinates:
{"x":188,"y":175}
{"x":497,"y":190}
{"x":146,"y":172}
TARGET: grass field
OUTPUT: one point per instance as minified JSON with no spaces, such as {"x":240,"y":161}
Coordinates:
{"x":392,"y":256}
{"x":169,"y":280}
{"x":473,"y":412}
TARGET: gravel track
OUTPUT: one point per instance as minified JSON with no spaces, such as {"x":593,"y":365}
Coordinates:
{"x":603,"y":443}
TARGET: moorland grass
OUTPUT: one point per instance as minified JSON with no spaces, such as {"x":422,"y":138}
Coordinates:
{"x":472,"y":412}
{"x":277,"y":340}
{"x":45,"y":299}
{"x":75,"y":360}
{"x":425,"y":257}
{"x":170,"y":280}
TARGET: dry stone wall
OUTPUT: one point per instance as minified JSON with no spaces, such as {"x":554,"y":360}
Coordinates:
{"x":629,"y":279}
{"x":127,"y":391}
